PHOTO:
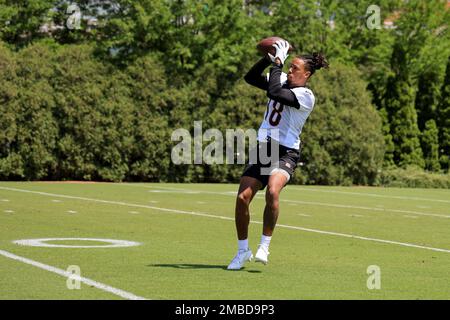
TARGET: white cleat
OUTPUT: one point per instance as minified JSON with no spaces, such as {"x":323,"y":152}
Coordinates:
{"x":240,"y":259}
{"x":262,"y":255}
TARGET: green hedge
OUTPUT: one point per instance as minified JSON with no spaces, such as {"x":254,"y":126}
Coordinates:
{"x":413,"y":177}
{"x":68,"y":115}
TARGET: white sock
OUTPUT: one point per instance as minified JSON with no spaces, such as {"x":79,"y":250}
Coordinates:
{"x":243,"y":245}
{"x":265,"y":241}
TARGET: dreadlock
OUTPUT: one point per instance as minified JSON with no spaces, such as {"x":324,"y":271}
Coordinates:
{"x":314,"y":62}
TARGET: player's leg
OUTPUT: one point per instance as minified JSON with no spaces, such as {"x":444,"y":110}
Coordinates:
{"x":248,"y":188}
{"x":277,"y":181}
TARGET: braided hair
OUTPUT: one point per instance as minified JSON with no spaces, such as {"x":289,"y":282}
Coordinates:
{"x":314,"y":62}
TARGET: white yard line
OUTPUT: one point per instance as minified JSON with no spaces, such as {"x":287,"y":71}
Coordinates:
{"x":293,"y":187}
{"x":229,"y":219}
{"x":155,"y":187}
{"x":176,"y":190}
{"x":87,"y":281}
{"x":366,"y":208}
{"x":334,"y":205}
{"x":370,"y":194}
{"x":365,"y":238}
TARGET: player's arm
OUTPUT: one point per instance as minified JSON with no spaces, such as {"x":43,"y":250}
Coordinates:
{"x":255,"y":77}
{"x":276,"y":92}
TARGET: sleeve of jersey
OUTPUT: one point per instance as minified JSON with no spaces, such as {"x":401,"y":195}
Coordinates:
{"x":305,"y":98}
{"x":255,"y":77}
{"x":275,"y":90}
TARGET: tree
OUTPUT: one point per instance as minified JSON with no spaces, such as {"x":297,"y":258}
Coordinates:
{"x":37,"y":131}
{"x":101,"y":102}
{"x":443,"y":120}
{"x":427,"y":97}
{"x":148,"y":152}
{"x":11,"y":162}
{"x":94,"y":116}
{"x":20,"y":20}
{"x":305,"y":25}
{"x":388,"y":142}
{"x":80,"y":21}
{"x":342,"y":139}
{"x":430,"y":146}
{"x":136,"y":28}
{"x":399,"y":104}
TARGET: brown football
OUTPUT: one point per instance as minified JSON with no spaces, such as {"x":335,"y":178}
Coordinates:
{"x":265,"y":46}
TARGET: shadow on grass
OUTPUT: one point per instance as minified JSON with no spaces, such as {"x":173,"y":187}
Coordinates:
{"x":197,"y":266}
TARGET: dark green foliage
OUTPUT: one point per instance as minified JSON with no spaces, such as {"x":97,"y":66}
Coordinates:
{"x":399,"y":105}
{"x":443,"y":120}
{"x":94,"y":114}
{"x":388,"y":142}
{"x":403,"y":122}
{"x":430,"y":146}
{"x":31,"y":135}
{"x":343,"y":143}
{"x":413,"y":177}
{"x":101,"y":102}
{"x":427,"y":97}
{"x":11,"y":165}
{"x":20,"y":20}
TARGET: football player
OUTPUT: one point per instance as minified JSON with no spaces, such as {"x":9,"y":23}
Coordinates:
{"x":290,"y":103}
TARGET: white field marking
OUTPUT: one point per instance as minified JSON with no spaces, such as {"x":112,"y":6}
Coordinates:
{"x":133,"y":212}
{"x":363,"y":238}
{"x":56,"y":201}
{"x":293,"y":204}
{"x":42,"y":243}
{"x":297,"y":188}
{"x":9,"y":211}
{"x":200,"y":214}
{"x":153,"y":201}
{"x":160,"y":189}
{"x":201,"y":202}
{"x":71,"y":211}
{"x":370,"y":195}
{"x":89,"y":282}
{"x":424,"y":207}
{"x":173,"y":191}
{"x":303,"y":215}
{"x":367,"y":208}
{"x":146,"y":186}
{"x":5,"y":200}
{"x":378,"y":207}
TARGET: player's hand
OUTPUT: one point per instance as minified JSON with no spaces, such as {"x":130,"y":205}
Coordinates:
{"x":281,"y":51}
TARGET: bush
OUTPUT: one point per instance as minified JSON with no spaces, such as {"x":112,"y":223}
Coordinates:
{"x":413,"y":177}
{"x":342,"y":139}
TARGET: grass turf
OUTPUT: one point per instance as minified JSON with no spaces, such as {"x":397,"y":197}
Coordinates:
{"x":185,"y":251}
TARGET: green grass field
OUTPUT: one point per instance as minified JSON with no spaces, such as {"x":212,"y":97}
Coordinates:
{"x":187,"y":238}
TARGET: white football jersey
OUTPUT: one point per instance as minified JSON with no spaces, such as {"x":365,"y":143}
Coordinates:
{"x":289,"y":121}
